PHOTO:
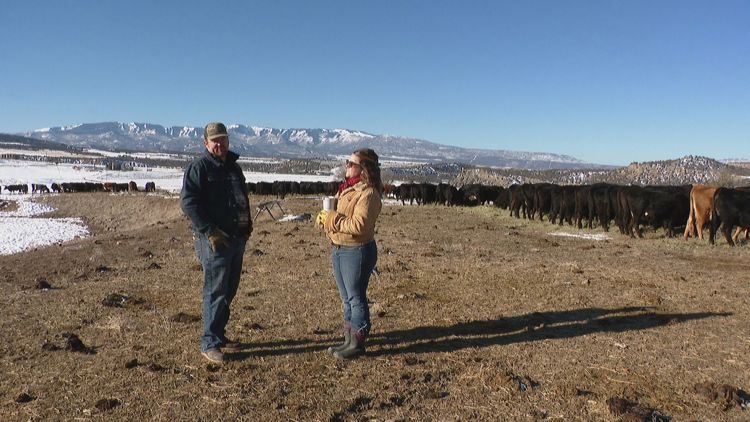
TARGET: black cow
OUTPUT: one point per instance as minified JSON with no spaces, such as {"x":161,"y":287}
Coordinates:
{"x":502,"y":199}
{"x":428,"y":193}
{"x":39,"y":188}
{"x":20,"y":188}
{"x":568,"y":204}
{"x":600,"y":205}
{"x":582,"y":206}
{"x":661,"y":206}
{"x":543,"y":200}
{"x":56,"y":188}
{"x":280,"y":189}
{"x":517,"y":203}
{"x":264,"y":188}
{"x":150,"y":187}
{"x":731,"y":208}
{"x":446,"y":194}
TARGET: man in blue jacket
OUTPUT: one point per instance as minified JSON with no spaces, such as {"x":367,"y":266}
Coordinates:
{"x":215,"y":197}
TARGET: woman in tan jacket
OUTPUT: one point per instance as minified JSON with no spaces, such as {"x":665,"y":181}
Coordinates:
{"x":351,"y":229}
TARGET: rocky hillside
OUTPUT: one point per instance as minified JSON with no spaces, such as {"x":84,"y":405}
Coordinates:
{"x":686,"y":170}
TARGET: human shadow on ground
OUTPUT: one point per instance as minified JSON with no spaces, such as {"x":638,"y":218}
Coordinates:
{"x":497,"y":332}
{"x":526,"y":328}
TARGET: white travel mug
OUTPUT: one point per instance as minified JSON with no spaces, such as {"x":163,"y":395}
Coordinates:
{"x":329,"y":203}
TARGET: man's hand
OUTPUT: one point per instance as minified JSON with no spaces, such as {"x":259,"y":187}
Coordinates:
{"x":321,"y":218}
{"x":218,"y":239}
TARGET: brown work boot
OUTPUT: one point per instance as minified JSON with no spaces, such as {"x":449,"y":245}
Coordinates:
{"x":214,"y":355}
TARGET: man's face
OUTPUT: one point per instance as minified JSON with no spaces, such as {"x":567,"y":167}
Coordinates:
{"x":218,"y":147}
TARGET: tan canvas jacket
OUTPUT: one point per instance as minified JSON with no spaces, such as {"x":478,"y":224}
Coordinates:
{"x":353,"y":222}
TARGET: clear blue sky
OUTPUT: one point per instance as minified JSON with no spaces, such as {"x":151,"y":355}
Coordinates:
{"x":605,"y":81}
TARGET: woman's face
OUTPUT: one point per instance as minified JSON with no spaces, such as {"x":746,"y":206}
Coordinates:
{"x":353,"y":167}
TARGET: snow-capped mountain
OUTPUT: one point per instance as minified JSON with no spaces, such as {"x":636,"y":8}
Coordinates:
{"x":292,"y":143}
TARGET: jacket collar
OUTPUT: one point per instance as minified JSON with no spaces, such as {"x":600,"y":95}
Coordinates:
{"x":231,"y":157}
{"x":359,"y":187}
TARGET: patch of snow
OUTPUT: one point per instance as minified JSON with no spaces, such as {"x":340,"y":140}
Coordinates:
{"x":582,"y":235}
{"x":20,"y":230}
{"x":296,"y":217}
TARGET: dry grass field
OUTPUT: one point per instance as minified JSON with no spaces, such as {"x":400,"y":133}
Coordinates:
{"x":476,"y":316}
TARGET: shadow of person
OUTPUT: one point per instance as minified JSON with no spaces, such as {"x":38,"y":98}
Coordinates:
{"x":497,"y":332}
{"x":525,"y":328}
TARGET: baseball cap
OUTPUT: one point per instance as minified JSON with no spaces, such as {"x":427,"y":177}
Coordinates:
{"x":215,"y":130}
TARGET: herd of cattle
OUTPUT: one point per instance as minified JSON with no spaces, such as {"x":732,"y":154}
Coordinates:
{"x":79,"y":187}
{"x":691,"y":207}
{"x":687,"y":207}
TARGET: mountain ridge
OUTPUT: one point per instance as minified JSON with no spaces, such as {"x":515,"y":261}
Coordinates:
{"x":295,"y":143}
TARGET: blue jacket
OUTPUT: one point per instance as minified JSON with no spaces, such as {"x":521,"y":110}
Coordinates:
{"x":214,"y":194}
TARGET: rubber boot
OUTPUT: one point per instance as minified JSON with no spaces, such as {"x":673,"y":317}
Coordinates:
{"x":356,"y":346}
{"x":347,"y":337}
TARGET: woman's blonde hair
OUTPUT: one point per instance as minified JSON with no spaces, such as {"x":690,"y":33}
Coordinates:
{"x":368,"y":160}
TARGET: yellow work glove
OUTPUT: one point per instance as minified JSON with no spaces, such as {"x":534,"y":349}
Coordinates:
{"x":321,"y":218}
{"x":218,"y":239}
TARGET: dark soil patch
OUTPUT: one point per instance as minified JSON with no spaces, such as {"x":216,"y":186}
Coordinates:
{"x":24,"y":398}
{"x":118,"y":300}
{"x":74,"y":344}
{"x":107,"y":404}
{"x":633,"y":412}
{"x":184,"y":318}
{"x":42,"y":284}
{"x":726,"y":395}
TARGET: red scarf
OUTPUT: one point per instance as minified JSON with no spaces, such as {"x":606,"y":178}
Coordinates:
{"x":349,"y":183}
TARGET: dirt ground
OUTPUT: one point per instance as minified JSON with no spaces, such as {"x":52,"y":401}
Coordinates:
{"x":476,"y":316}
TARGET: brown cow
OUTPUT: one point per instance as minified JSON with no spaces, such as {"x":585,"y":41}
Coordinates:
{"x":701,"y":206}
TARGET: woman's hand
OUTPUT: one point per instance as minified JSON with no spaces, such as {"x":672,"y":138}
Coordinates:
{"x":320,"y":219}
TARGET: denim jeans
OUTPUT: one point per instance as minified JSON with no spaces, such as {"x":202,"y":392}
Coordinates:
{"x":352,"y":266}
{"x":221,"y":278}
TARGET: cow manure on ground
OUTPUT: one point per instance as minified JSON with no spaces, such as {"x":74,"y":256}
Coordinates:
{"x":632,"y":411}
{"x":154,"y":266}
{"x":107,"y":404}
{"x":74,"y":344}
{"x":521,"y":383}
{"x":24,"y":398}
{"x":50,"y":347}
{"x":132,"y":363}
{"x":258,"y":252}
{"x":359,"y":404}
{"x":726,"y":395}
{"x":42,"y":284}
{"x":184,"y":318}
{"x":117,"y":300}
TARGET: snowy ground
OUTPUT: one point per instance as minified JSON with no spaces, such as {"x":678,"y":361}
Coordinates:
{"x":21,"y":230}
{"x":582,"y":235}
{"x":169,"y":179}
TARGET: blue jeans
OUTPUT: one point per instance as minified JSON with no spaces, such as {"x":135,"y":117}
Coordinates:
{"x":221,"y":278}
{"x":352,"y":266}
